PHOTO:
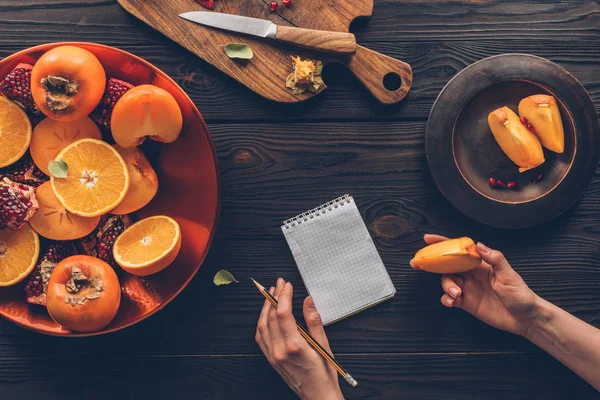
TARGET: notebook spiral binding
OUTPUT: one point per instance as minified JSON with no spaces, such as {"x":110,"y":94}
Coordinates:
{"x":315,"y":212}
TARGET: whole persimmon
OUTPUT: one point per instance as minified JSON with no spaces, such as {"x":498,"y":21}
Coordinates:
{"x":146,"y":111}
{"x":83,"y":294}
{"x":67,"y":83}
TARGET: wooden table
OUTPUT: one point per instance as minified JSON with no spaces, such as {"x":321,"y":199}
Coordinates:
{"x":277,"y":161}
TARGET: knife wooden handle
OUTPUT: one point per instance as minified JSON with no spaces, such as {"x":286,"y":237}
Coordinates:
{"x":330,"y":42}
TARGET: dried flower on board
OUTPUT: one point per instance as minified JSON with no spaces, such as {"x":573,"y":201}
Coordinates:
{"x":306,"y":76}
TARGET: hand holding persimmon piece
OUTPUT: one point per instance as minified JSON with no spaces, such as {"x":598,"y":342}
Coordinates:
{"x":146,"y":111}
{"x":143,"y":182}
{"x":83,"y":294}
{"x":53,"y":221}
{"x":51,"y":136}
{"x":67,"y":83}
{"x":148,"y":246}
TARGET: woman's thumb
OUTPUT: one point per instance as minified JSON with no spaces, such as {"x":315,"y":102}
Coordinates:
{"x":314,"y":323}
{"x":495,"y":258}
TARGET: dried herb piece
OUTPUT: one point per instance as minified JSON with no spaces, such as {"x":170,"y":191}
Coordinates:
{"x":210,"y":4}
{"x":306,"y":76}
{"x":223,"y":278}
{"x":58,"y":169}
{"x":238,"y":50}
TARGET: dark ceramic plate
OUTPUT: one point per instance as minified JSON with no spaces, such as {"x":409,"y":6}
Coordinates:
{"x":463,"y":154}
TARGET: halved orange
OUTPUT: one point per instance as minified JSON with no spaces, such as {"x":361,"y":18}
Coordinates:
{"x":51,"y":136}
{"x":97,"y":180}
{"x":19,"y":251}
{"x":54,"y":222}
{"x":148,"y":246}
{"x":15,"y":132}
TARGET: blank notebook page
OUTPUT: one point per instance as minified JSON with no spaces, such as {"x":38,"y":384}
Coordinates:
{"x":337,"y":259}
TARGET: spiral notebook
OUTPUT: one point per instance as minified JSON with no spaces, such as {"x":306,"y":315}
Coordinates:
{"x":337,"y":259}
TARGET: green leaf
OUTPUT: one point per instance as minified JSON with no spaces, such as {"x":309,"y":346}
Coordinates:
{"x":223,"y":278}
{"x":238,"y":50}
{"x":58,"y":169}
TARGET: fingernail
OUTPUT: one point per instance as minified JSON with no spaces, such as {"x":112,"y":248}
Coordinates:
{"x":287,"y":285}
{"x":279,"y":282}
{"x":272,"y":290}
{"x":449,"y":302}
{"x":310,"y":303}
{"x":483,"y":248}
{"x":454,"y":292}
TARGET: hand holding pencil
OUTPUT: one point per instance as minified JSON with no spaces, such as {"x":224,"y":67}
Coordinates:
{"x":304,"y":370}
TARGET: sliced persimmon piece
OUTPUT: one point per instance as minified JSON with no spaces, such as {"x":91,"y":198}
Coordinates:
{"x":15,"y":132}
{"x":19,"y":251}
{"x":146,"y":111}
{"x":148,"y":246}
{"x":143,"y":181}
{"x":51,"y":136}
{"x":53,"y":221}
{"x":97,"y":179}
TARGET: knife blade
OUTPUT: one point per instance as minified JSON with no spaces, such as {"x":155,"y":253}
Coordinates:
{"x":330,"y":42}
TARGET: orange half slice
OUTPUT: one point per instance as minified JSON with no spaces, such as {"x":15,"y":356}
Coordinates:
{"x":97,"y":180}
{"x":148,"y":246}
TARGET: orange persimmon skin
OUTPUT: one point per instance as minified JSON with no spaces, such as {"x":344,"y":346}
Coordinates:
{"x":75,"y":64}
{"x":94,"y":314}
{"x":146,"y":111}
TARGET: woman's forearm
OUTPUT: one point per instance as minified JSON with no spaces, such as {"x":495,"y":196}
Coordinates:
{"x":568,"y":339}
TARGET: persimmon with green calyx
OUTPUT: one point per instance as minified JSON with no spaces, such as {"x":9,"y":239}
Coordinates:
{"x":83,"y":294}
{"x":146,"y":111}
{"x":67,"y":83}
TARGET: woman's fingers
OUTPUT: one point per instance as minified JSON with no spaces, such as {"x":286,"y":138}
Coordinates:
{"x":494,"y":258}
{"x":450,"y":302}
{"x":431,"y":239}
{"x":453,"y":285}
{"x":262,"y":328}
{"x":314,"y":323}
{"x":274,"y":329}
{"x":287,"y":322}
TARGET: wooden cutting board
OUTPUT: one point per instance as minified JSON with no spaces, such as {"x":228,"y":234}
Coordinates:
{"x":266,"y":73}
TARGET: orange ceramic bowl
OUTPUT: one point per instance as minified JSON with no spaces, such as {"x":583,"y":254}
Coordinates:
{"x":188,"y":191}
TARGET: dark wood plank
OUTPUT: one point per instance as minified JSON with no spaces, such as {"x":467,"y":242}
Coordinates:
{"x":437,"y":38}
{"x":271,"y":172}
{"x":530,"y":376}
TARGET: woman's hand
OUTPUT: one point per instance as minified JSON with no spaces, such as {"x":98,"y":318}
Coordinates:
{"x":300,"y":366}
{"x":492,"y":292}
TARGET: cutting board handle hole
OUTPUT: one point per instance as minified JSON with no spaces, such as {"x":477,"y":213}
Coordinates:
{"x":392,"y":81}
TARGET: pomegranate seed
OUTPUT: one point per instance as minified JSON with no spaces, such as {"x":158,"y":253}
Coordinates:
{"x":511,"y":185}
{"x":493,"y":182}
{"x":530,"y":127}
{"x":501,"y":184}
{"x":539,"y":177}
{"x":273,"y":6}
{"x":287,"y":3}
{"x":524,"y":121}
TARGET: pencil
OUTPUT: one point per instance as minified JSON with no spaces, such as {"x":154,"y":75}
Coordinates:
{"x":328,"y":357}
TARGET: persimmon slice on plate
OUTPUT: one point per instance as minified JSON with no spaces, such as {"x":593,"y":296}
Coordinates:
{"x":51,"y":136}
{"x":19,"y":251}
{"x":97,"y":179}
{"x":15,"y":132}
{"x":53,"y":221}
{"x":148,"y":246}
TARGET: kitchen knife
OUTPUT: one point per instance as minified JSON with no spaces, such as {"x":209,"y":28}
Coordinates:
{"x":330,"y":42}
